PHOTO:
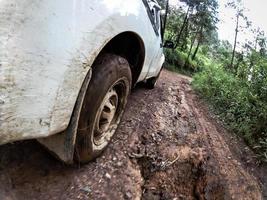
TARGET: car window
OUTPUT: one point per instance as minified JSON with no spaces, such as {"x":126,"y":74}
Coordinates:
{"x":157,"y":19}
{"x":153,"y":12}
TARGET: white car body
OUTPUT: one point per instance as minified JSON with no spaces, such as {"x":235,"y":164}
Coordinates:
{"x":48,"y":47}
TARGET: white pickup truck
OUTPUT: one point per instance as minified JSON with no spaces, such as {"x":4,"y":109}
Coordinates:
{"x":67,"y":67}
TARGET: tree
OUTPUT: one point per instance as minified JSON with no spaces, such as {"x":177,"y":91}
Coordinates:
{"x":203,"y":22}
{"x":206,"y":16}
{"x":239,"y":8}
{"x":184,"y":24}
{"x":165,"y":18}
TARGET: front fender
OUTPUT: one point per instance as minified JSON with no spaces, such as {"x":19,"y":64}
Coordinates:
{"x":47,"y":48}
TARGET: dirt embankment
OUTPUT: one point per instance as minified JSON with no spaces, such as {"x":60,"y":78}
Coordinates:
{"x":167,"y":147}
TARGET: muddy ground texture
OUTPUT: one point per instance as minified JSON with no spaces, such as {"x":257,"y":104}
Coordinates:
{"x":168,"y":146}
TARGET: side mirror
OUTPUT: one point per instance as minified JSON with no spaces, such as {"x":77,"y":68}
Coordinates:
{"x":168,"y":44}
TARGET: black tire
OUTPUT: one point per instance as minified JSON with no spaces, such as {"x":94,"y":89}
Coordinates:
{"x":152,"y":82}
{"x":103,"y":106}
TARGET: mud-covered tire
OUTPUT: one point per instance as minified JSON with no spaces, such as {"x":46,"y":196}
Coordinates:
{"x":152,"y":82}
{"x":103,"y":106}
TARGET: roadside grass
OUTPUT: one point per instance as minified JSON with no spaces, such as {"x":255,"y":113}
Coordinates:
{"x":178,"y":70}
{"x":240,"y":103}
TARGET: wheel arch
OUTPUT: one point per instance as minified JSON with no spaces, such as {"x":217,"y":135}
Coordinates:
{"x":130,"y":46}
{"x":126,"y":44}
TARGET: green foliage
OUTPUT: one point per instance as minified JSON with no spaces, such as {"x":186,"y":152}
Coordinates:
{"x":241,"y":103}
{"x":175,"y":57}
{"x":178,"y":59}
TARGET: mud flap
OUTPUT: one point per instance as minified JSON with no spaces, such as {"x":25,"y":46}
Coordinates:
{"x":59,"y":146}
{"x":62,"y":145}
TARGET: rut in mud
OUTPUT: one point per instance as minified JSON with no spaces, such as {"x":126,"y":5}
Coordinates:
{"x":167,"y":147}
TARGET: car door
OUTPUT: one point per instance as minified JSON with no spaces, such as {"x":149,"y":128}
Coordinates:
{"x":157,"y":45}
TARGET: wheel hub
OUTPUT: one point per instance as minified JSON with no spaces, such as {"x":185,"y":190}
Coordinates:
{"x":105,"y":116}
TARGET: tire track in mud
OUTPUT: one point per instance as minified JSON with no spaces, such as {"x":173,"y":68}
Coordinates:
{"x":238,"y":183}
{"x":165,"y":148}
{"x":163,"y":161}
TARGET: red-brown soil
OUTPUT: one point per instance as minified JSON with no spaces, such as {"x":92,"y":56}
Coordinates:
{"x":168,"y":146}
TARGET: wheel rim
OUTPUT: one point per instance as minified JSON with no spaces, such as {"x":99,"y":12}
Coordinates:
{"x":108,"y":115}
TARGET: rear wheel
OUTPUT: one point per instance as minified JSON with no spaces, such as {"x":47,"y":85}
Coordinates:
{"x":103,"y":106}
{"x":152,"y":82}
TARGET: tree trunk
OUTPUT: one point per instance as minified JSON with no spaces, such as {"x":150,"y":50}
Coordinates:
{"x":256,"y":43}
{"x":236,"y":33}
{"x":190,"y":50}
{"x":165,"y":19}
{"x":198,"y":43}
{"x":182,"y":28}
{"x":195,"y":53}
{"x":183,"y":46}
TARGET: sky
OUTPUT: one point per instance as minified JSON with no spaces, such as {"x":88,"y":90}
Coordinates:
{"x":256,"y":11}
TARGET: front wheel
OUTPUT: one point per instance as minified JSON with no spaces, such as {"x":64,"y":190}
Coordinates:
{"x":152,"y":82}
{"x":103,"y":106}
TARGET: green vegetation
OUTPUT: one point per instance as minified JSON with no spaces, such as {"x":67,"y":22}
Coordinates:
{"x":240,"y":103}
{"x":233,"y":81}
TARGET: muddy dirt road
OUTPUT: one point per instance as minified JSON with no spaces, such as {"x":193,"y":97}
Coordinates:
{"x":167,"y":147}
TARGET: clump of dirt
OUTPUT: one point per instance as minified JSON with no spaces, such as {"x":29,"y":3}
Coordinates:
{"x":166,"y":147}
{"x":180,"y":172}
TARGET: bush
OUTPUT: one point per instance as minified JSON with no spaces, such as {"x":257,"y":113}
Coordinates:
{"x":241,"y":103}
{"x":178,"y":59}
{"x":175,"y":57}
